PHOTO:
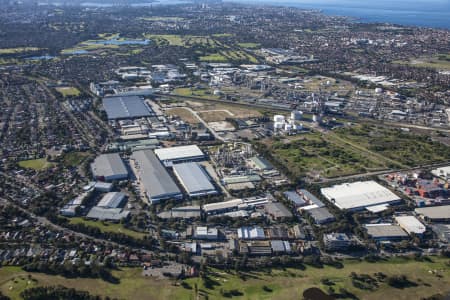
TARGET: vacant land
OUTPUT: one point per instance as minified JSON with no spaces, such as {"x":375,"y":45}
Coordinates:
{"x":237,"y":111}
{"x":68,"y":91}
{"x":36,"y":164}
{"x":194,"y":92}
{"x":215,"y":115}
{"x":405,"y":149}
{"x":184,"y":114}
{"x":429,"y":277}
{"x":313,"y":155}
{"x":108,"y":227}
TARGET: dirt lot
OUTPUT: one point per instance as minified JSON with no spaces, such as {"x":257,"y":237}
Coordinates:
{"x":215,"y":115}
{"x":184,"y":114}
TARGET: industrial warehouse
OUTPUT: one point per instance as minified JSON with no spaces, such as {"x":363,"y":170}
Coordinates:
{"x":359,"y":195}
{"x":154,"y":178}
{"x":194,"y":179}
{"x":174,"y":155}
{"x":126,"y":107}
{"x":109,"y":167}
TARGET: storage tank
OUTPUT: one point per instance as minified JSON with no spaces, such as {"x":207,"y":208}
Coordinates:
{"x":296,"y":115}
{"x":288,"y":127}
{"x":278,"y":118}
{"x":278,"y":125}
{"x":378,"y":90}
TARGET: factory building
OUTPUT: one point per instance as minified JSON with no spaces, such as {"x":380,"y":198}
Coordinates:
{"x":359,"y":195}
{"x":109,"y":167}
{"x":336,"y":241}
{"x":112,"y":200}
{"x":385,"y":232}
{"x":234,"y":205}
{"x":277,"y":211}
{"x":321,"y":215}
{"x":157,"y":183}
{"x":411,"y":225}
{"x":260,"y":163}
{"x":194,"y":179}
{"x":434,"y":214}
{"x":206,"y":233}
{"x":126,"y":107}
{"x":107,"y":214}
{"x":443,"y":172}
{"x":251,"y":233}
{"x":180,"y":154}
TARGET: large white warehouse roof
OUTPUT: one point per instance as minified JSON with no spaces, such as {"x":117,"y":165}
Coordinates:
{"x":179,"y":153}
{"x":358,"y":195}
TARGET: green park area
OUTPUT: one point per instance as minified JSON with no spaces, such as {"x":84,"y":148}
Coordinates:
{"x":68,"y":91}
{"x":438,"y":62}
{"x":228,"y":55}
{"x":36,"y":164}
{"x":17,"y":50}
{"x":359,"y":280}
{"x":249,"y":45}
{"x":108,"y":227}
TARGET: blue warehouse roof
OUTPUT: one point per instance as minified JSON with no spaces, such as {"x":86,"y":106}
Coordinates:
{"x":125,"y":107}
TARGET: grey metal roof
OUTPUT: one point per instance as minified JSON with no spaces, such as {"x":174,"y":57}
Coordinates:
{"x":277,"y":210}
{"x":312,"y":198}
{"x":101,"y":213}
{"x":435,"y":212}
{"x":385,"y":230}
{"x":125,"y":107}
{"x":193,"y":178}
{"x":107,"y":165}
{"x":321,"y":215}
{"x":294,"y":197}
{"x":112,"y":200}
{"x":156,"y":180}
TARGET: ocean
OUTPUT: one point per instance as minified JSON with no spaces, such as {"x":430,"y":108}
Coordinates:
{"x":426,"y":13}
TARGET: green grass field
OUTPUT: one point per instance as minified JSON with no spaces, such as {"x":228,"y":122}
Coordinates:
{"x":17,"y":50}
{"x":228,"y":55}
{"x":439,"y":62}
{"x":430,"y":277}
{"x":68,"y":91}
{"x":108,"y":227}
{"x":36,"y":164}
{"x":201,"y":93}
{"x":161,"y":18}
{"x":249,"y":45}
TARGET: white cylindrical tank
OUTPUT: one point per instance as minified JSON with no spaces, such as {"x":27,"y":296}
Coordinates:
{"x":378,"y":90}
{"x":278,"y":118}
{"x":316,"y":118}
{"x":288,"y":127}
{"x":278,"y":125}
{"x":296,"y":115}
{"x":299,"y":126}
